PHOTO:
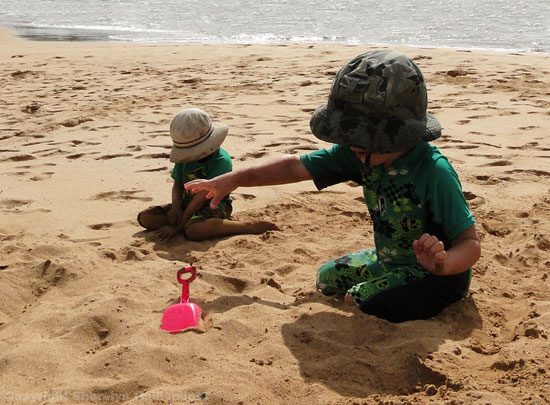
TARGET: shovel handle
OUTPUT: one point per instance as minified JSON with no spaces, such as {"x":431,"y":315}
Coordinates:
{"x":189,"y":269}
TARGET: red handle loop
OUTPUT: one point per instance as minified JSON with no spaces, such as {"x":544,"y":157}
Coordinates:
{"x":190,"y":269}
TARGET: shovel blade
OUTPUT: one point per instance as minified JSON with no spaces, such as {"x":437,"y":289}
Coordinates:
{"x":179,"y":317}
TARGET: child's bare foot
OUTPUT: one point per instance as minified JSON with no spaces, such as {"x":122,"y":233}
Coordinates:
{"x":264,"y":226}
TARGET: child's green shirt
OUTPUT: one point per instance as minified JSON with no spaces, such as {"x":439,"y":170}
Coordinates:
{"x":419,"y":193}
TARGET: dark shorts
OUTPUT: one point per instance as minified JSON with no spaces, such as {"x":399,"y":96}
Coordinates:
{"x":222,"y":211}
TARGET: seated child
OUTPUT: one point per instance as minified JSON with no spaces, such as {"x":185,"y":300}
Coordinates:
{"x":197,"y":154}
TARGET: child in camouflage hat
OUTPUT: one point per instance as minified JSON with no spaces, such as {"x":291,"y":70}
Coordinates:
{"x":424,"y":233}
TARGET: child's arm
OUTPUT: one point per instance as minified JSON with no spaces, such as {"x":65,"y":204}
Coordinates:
{"x":195,"y":205}
{"x":286,"y":169}
{"x":174,"y":215}
{"x":198,"y":201}
{"x":463,"y":254}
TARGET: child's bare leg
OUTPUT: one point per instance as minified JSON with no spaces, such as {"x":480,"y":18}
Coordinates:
{"x":216,"y":228}
{"x":153,"y":220}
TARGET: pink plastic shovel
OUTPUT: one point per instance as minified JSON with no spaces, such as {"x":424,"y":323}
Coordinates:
{"x":179,"y":317}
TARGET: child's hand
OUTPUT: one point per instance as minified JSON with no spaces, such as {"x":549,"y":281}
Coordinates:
{"x":214,"y":189}
{"x":167,"y":231}
{"x":430,"y":253}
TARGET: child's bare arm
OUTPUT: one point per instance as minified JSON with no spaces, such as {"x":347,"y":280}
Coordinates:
{"x":282,"y":170}
{"x":168,"y":231}
{"x":463,"y":254}
{"x":174,"y":215}
{"x":196,"y":204}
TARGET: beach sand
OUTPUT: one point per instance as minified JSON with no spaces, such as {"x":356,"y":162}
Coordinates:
{"x":84,"y":146}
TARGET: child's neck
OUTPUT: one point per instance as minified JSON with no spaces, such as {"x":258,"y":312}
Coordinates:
{"x":204,"y":159}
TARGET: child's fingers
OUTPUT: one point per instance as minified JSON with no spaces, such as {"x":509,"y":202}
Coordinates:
{"x":440,"y":257}
{"x":439,"y":260}
{"x":416,"y":247}
{"x":429,"y":244}
{"x":437,"y":247}
{"x":422,"y":241}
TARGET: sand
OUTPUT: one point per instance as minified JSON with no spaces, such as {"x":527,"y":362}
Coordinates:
{"x":84,"y":147}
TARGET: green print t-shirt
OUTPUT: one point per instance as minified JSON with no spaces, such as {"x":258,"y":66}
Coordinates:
{"x":216,"y":164}
{"x":419,"y":193}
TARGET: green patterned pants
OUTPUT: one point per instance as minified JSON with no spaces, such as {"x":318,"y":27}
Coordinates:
{"x":395,"y":293}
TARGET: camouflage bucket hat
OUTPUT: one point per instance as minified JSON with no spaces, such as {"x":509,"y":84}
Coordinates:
{"x":378,"y":101}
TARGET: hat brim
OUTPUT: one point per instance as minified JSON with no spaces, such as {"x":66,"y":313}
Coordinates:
{"x":201,"y":150}
{"x":351,"y":127}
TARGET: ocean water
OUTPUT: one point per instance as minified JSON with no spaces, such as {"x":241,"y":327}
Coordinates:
{"x":508,"y":25}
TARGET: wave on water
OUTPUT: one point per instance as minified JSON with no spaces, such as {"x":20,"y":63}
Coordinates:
{"x":504,"y":25}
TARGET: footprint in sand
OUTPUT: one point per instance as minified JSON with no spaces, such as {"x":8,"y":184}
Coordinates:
{"x":156,"y":169}
{"x":17,"y":173}
{"x":275,"y":144}
{"x":123,"y":195}
{"x":42,"y":176}
{"x":126,"y":254}
{"x":465,"y":146}
{"x":19,"y":158}
{"x":528,"y":145}
{"x":75,"y":156}
{"x":134,"y":148}
{"x":497,"y":163}
{"x":484,"y":155}
{"x":300,"y":149}
{"x":154,"y":156}
{"x":539,"y":173}
{"x":73,"y":122}
{"x":50,"y":275}
{"x":252,"y":155}
{"x":108,"y":157}
{"x":111,"y":225}
{"x":238,"y":196}
{"x":13,"y":204}
{"x":473,"y":199}
{"x":490,"y":180}
{"x":225,"y":284}
{"x":36,"y":166}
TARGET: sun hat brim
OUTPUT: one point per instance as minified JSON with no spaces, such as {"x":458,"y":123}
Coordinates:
{"x":349,"y":126}
{"x":196,"y":152}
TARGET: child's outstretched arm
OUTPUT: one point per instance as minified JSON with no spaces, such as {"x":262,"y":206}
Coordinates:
{"x":463,"y":254}
{"x":286,"y":169}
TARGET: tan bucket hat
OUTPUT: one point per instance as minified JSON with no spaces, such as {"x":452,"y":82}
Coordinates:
{"x":194,"y":135}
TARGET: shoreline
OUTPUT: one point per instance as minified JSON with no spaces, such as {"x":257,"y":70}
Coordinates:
{"x":84,"y":147}
{"x":97,"y":38}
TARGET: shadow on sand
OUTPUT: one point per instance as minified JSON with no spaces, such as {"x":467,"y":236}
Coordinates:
{"x":361,"y":355}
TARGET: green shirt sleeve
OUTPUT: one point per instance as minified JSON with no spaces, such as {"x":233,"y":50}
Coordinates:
{"x":448,"y":206}
{"x":178,"y":171}
{"x":332,"y":166}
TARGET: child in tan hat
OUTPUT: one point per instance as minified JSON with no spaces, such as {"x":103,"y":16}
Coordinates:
{"x":197,"y":154}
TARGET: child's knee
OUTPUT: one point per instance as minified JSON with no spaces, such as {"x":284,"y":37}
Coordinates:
{"x":194,"y":231}
{"x":147,"y":221}
{"x":326,"y":280}
{"x":140,"y":219}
